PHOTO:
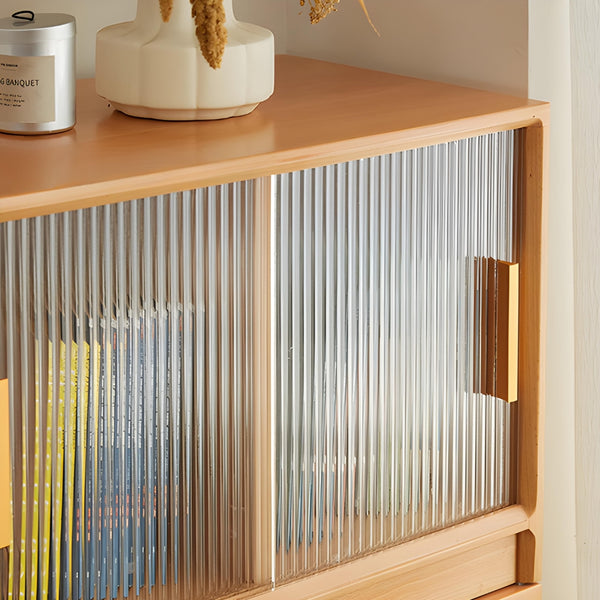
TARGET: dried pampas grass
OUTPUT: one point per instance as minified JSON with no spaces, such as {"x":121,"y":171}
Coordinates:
{"x":166,"y":8}
{"x":319,"y":9}
{"x":209,"y":16}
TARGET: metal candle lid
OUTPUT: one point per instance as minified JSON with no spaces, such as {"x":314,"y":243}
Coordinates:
{"x":41,"y":27}
{"x":37,"y":73}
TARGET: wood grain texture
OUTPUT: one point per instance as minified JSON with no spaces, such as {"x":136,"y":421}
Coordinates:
{"x":532,"y":318}
{"x":389,"y":565}
{"x":462,"y":577}
{"x":585,"y":54}
{"x":507,"y":277}
{"x":459,"y":576}
{"x":5,"y":511}
{"x":263,"y":500}
{"x":516,"y":592}
{"x":499,"y":368}
{"x":320,"y":113}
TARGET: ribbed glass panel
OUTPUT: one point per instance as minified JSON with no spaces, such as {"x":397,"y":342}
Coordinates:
{"x":126,"y":330}
{"x":129,"y":337}
{"x":381,"y":433}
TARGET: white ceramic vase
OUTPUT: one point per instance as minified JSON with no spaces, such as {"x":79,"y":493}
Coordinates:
{"x":149,"y":68}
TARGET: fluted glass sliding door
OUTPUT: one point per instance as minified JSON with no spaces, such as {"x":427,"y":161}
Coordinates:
{"x":381,"y":431}
{"x":128,"y":334}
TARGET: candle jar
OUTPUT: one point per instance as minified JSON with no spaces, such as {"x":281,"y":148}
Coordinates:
{"x":37,"y":73}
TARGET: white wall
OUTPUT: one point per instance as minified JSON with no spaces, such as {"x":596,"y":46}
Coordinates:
{"x":268,"y":13}
{"x":585,"y":31}
{"x":479,"y":43}
{"x":92,"y":15}
{"x":550,"y":79}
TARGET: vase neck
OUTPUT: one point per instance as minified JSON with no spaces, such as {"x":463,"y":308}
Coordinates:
{"x":148,"y":12}
{"x":180,"y":7}
{"x":227,"y":6}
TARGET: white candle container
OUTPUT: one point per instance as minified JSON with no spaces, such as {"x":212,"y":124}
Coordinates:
{"x":149,"y":68}
{"x":37,"y":73}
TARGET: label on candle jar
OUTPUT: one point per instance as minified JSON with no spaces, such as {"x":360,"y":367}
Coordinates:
{"x":27,"y":89}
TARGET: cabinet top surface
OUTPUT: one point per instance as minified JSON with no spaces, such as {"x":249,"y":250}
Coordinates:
{"x":320,"y":113}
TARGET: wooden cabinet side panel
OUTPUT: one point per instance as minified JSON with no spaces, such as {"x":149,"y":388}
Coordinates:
{"x":532,"y":348}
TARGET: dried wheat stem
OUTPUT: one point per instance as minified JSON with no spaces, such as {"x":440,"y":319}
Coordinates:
{"x":364,"y":7}
{"x":166,"y":8}
{"x":319,"y":9}
{"x":209,"y":16}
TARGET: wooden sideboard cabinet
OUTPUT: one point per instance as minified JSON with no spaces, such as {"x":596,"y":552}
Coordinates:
{"x":297,"y":354}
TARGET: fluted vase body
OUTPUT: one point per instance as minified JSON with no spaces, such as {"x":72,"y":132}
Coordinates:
{"x":151,"y":68}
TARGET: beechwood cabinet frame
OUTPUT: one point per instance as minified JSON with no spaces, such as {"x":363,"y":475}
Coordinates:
{"x":322,"y":114}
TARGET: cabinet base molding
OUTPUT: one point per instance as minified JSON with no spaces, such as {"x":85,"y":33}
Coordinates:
{"x":461,"y":576}
{"x":516,"y":592}
{"x":459,"y":563}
